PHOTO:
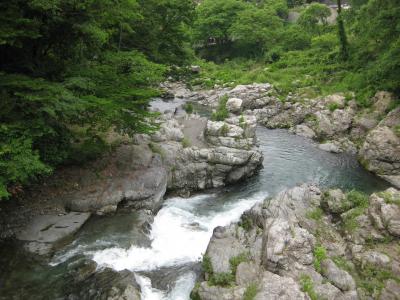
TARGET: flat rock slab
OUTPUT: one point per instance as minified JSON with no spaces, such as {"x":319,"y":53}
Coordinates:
{"x":46,"y":230}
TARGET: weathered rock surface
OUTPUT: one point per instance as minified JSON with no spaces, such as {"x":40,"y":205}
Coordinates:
{"x":107,"y":285}
{"x":380,"y":153}
{"x":276,"y":287}
{"x":336,"y":118}
{"x":295,"y":249}
{"x":44,"y":232}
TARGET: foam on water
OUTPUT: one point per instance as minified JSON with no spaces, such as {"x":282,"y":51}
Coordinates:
{"x":179,"y":236}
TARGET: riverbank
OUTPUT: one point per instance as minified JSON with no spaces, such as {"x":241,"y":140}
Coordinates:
{"x":337,"y":122}
{"x":305,"y":243}
{"x":189,"y":154}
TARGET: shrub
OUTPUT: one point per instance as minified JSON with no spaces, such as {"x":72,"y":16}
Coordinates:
{"x":222,"y":279}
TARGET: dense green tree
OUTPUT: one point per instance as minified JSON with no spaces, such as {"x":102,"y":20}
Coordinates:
{"x":163,"y":31}
{"x":70,"y":70}
{"x":255,"y":30}
{"x":214,"y":20}
{"x":315,"y":18}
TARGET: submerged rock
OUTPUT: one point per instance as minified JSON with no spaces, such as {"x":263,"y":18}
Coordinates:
{"x":380,"y":153}
{"x":107,"y":284}
{"x":45,"y":232}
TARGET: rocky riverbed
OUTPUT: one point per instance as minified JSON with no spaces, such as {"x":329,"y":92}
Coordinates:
{"x":191,"y":153}
{"x":305,"y":243}
{"x":336,"y":121}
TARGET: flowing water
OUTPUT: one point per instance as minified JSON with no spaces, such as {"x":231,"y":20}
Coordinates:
{"x":166,"y":261}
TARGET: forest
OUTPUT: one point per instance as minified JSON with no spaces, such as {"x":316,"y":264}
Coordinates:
{"x":73,"y":71}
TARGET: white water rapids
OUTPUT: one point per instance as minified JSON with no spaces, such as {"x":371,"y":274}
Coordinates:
{"x":179,"y":236}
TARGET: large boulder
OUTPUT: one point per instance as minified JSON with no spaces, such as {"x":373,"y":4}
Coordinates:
{"x":234,"y":105}
{"x":45,"y":232}
{"x":274,"y":287}
{"x":380,"y":154}
{"x":107,"y":284}
{"x":340,"y":278}
{"x":384,"y":210}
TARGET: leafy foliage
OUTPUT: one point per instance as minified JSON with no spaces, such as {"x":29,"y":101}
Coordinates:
{"x":71,"y":71}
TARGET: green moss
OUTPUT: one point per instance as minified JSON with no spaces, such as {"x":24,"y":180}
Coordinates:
{"x":307,"y":286}
{"x":250,"y":292}
{"x":319,"y":256}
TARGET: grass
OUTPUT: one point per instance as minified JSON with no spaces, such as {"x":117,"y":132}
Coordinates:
{"x":224,"y":279}
{"x":224,"y":130}
{"x":250,"y":292}
{"x":242,"y":122}
{"x":356,"y":203}
{"x":349,"y":222}
{"x":246,"y":223}
{"x":319,"y":256}
{"x":389,"y":198}
{"x":307,"y":286}
{"x":315,"y":214}
{"x":222,"y":112}
{"x":397,"y":130}
{"x":188,"y":107}
{"x":185,"y":142}
{"x":236,"y":260}
{"x":155,"y":148}
{"x":333,"y":106}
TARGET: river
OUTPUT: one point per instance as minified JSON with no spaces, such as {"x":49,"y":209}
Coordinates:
{"x":166,"y":260}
